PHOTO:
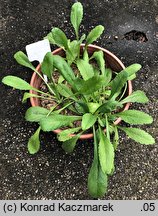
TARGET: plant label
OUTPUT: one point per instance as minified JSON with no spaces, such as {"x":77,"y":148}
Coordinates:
{"x":36,"y":51}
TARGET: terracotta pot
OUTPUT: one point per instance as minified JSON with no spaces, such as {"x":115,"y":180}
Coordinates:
{"x":111,"y":61}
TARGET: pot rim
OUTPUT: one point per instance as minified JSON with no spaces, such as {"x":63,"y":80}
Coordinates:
{"x":126,"y":107}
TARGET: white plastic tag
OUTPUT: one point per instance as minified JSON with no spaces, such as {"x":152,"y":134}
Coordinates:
{"x":36,"y":51}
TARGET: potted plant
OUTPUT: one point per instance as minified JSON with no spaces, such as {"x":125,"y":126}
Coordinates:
{"x":87,"y":94}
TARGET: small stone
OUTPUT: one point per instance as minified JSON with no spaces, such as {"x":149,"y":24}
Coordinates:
{"x":36,"y":191}
{"x":49,"y":106}
{"x":156,"y":19}
{"x":47,"y":163}
{"x":116,"y":37}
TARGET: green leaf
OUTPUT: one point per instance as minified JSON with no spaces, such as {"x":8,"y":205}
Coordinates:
{"x":101,"y":122}
{"x":82,"y":38}
{"x":135,"y":117}
{"x":65,"y":134}
{"x":76,"y":16}
{"x":59,"y":38}
{"x":92,"y":85}
{"x":64,"y":106}
{"x":121,"y":78}
{"x":106,"y":153}
{"x":56,"y":121}
{"x":65,"y":91}
{"x":61,"y":79}
{"x":73,"y":109}
{"x":94,"y":34}
{"x":29,"y":95}
{"x":93,"y":107}
{"x":34,"y":142}
{"x":50,"y":38}
{"x":107,"y":92}
{"x":89,"y":86}
{"x":132,"y":77}
{"x":78,"y":82}
{"x":86,"y":70}
{"x":99,"y":56}
{"x":73,"y":51}
{"x":22,"y":59}
{"x":107,"y":76}
{"x":64,"y":69}
{"x":34,"y":114}
{"x":47,"y":66}
{"x":16,"y":83}
{"x":118,"y":83}
{"x":88,"y":120}
{"x":97,"y":180}
{"x":85,"y":56}
{"x":138,"y":135}
{"x":70,"y":144}
{"x":107,"y":128}
{"x":115,"y":138}
{"x":132,"y":69}
{"x":108,"y":106}
{"x":137,"y":96}
{"x":52,"y":89}
{"x":81,"y":107}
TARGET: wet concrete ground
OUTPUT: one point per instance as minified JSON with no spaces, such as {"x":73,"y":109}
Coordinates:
{"x":52,"y":174}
